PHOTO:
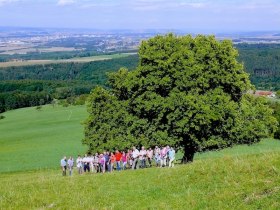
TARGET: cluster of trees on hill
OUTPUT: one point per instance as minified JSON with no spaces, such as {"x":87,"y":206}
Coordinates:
{"x":26,"y":86}
{"x":186,"y":92}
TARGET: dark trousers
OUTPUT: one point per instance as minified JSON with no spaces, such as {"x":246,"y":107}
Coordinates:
{"x":150,"y":162}
{"x":143,"y":163}
{"x":86,"y":167}
{"x":64,"y":171}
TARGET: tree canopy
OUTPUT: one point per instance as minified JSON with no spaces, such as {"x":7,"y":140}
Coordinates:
{"x":187,"y":92}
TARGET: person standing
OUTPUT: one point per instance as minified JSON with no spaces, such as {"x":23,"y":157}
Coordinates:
{"x":112,"y":162}
{"x":171,"y":155}
{"x":129,"y":158}
{"x":63,"y":164}
{"x":124,"y":160}
{"x":107,"y":159}
{"x":135,"y":155}
{"x":167,"y":155}
{"x":157,"y":156}
{"x":96,"y":162}
{"x":90,"y":159}
{"x":86,"y":163}
{"x":163,"y":156}
{"x":118,"y":156}
{"x":142,"y":157}
{"x":150,"y":154}
{"x":70,"y":164}
{"x":79,"y":163}
{"x":102,"y":163}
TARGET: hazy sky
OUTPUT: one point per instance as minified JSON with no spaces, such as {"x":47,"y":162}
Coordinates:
{"x":192,"y":15}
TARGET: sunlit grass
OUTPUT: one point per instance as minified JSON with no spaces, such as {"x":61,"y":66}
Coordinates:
{"x":236,"y":182}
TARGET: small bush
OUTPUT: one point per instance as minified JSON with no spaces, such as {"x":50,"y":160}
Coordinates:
{"x":2,"y":117}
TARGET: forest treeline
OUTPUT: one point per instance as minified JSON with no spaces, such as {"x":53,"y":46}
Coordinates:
{"x":24,"y":86}
{"x":262,"y":62}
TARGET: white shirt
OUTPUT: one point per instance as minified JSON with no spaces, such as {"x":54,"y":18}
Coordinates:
{"x":142,"y":154}
{"x":86,"y":160}
{"x":79,"y":162}
{"x":135,"y":153}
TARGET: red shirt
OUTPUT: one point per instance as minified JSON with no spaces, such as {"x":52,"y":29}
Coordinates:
{"x":118,"y":156}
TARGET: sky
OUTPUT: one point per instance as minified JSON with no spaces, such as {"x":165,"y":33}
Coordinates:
{"x":191,"y":15}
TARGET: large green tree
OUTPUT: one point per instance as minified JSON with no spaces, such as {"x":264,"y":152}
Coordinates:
{"x":186,"y":92}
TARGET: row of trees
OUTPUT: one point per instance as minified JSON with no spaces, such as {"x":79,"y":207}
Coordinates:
{"x":186,"y":92}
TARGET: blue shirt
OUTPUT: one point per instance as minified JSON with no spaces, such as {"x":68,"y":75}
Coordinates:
{"x":63,"y":162}
{"x":171,"y":153}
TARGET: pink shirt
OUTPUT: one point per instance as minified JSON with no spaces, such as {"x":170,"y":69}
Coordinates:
{"x":102,"y":161}
{"x":163,"y":152}
{"x":124,"y":158}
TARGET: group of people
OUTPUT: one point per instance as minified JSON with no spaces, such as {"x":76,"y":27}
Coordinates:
{"x":120,"y":160}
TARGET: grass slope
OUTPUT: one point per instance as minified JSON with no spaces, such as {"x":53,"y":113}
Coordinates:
{"x":242,"y":177}
{"x":236,"y":182}
{"x":32,"y":139}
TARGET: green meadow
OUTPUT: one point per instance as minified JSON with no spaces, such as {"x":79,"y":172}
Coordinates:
{"x":232,"y":182}
{"x":33,"y":142}
{"x":35,"y":139}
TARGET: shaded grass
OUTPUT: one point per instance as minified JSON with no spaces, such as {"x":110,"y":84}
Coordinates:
{"x":240,"y":182}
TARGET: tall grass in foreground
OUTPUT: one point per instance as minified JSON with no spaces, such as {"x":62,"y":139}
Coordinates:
{"x":236,"y":182}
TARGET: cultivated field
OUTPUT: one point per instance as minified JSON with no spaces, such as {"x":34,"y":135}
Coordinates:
{"x":78,"y":59}
{"x":22,"y":49}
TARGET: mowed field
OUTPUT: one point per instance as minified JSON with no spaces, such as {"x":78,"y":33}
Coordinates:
{"x":32,"y":139}
{"x":77,"y":59}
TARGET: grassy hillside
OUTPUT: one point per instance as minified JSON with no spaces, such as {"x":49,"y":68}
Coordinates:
{"x":32,"y":139}
{"x":242,"y":182}
{"x":242,"y":177}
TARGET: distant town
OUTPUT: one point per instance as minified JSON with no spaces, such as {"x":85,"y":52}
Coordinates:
{"x":16,"y":41}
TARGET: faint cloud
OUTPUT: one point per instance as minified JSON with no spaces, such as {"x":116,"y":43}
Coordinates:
{"x":3,"y":2}
{"x":166,"y":4}
{"x":65,"y":2}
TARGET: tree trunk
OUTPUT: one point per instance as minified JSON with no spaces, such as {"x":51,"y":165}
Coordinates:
{"x":188,"y":155}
